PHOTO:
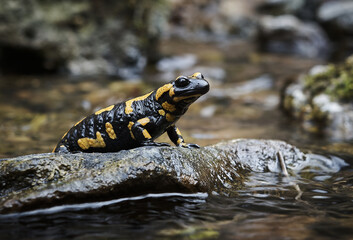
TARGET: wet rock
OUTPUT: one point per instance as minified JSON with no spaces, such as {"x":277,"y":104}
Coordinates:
{"x":208,"y":111}
{"x":323,"y":99}
{"x":174,"y":63}
{"x":43,"y":180}
{"x":261,"y":83}
{"x":338,"y":14}
{"x":337,"y":19}
{"x":78,"y":37}
{"x":288,"y":35}
{"x":280,"y":7}
{"x":212,"y":20}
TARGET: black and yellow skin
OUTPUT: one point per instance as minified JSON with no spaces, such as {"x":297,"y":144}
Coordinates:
{"x":136,"y":122}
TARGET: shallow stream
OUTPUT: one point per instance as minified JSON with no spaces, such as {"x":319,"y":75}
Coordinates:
{"x":36,"y":111}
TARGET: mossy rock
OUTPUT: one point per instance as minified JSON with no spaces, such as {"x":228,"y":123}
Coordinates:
{"x":322,"y":100}
{"x":336,"y":81}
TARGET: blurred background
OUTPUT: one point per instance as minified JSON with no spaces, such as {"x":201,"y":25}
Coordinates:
{"x":63,"y":60}
{"x":278,"y":69}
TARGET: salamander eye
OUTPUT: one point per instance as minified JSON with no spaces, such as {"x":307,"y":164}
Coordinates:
{"x":182,"y":82}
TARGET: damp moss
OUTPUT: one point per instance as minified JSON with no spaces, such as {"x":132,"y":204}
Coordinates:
{"x":336,"y":81}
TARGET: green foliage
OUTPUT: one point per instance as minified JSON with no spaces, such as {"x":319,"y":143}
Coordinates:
{"x":336,"y":81}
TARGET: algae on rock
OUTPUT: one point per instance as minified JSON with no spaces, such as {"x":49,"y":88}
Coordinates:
{"x":323,"y":99}
{"x":335,"y":80}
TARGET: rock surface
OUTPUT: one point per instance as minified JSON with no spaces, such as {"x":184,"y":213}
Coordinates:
{"x":212,"y":20}
{"x":44,"y":180}
{"x":78,"y":37}
{"x":288,"y":35}
{"x":337,"y":19}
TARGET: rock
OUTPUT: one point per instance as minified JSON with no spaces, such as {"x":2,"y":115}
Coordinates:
{"x":339,"y":14}
{"x":280,"y":7}
{"x":212,"y":20}
{"x":78,"y":37}
{"x":323,"y":99}
{"x":175,"y":63}
{"x":261,"y":83}
{"x":303,"y":9}
{"x":288,"y":35}
{"x":44,"y":180}
{"x":337,"y":19}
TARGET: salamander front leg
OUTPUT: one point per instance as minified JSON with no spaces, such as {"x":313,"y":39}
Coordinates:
{"x":175,"y":136}
{"x":141,"y":134}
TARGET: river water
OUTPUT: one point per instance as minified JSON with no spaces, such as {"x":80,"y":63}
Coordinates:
{"x":35,"y":111}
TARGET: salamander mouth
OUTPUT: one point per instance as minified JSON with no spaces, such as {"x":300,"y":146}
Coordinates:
{"x":193,"y":92}
{"x":200,"y":88}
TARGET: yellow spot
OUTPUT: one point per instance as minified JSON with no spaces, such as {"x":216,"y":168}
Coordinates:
{"x":104,"y":110}
{"x":161,"y":112}
{"x":177,"y":99}
{"x":163,"y":89}
{"x":178,"y":132}
{"x":169,"y":107}
{"x":144,"y":121}
{"x":86,"y":143}
{"x":170,"y":117}
{"x":146,"y":134}
{"x":128,"y":107}
{"x":179,"y":77}
{"x":130,"y":126}
{"x":110,"y":130}
{"x":179,"y":141}
{"x":171,"y":92}
{"x":197,"y":75}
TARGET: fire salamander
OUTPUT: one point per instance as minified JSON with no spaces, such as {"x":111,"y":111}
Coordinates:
{"x":138,"y":121}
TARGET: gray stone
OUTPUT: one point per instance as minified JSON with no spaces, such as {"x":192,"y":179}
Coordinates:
{"x":280,"y":7}
{"x":288,"y":35}
{"x":337,"y":19}
{"x":44,"y":180}
{"x":215,"y":20}
{"x":78,"y":37}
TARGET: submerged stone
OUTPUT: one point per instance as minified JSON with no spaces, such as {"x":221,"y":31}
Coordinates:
{"x":44,"y":180}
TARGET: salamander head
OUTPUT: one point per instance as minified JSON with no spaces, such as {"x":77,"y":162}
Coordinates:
{"x":181,"y":92}
{"x":188,"y":88}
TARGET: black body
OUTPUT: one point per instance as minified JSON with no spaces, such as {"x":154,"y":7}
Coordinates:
{"x":136,"y":122}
